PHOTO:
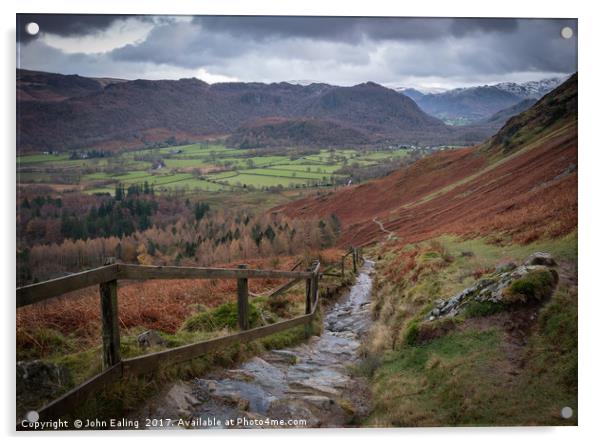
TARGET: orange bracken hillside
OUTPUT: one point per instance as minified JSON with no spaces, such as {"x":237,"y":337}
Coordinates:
{"x":522,"y":182}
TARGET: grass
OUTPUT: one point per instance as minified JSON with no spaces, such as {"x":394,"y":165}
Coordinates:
{"x":412,"y":386}
{"x":536,"y":285}
{"x":463,"y":374}
{"x":307,"y":168}
{"x":83,"y":363}
{"x":246,"y":168}
{"x":186,"y":163}
{"x":262,"y":181}
{"x":224,"y":316}
{"x":482,"y":308}
{"x":82,"y":359}
{"x":461,"y":379}
{"x":128,"y":394}
{"x":36,"y":158}
{"x":487,"y":253}
{"x":272,"y":171}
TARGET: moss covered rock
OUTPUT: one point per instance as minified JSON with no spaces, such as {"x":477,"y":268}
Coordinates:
{"x":533,"y":281}
{"x":536,"y":285}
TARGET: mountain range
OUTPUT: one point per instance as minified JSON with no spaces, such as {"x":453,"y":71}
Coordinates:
{"x":467,"y":105}
{"x":516,"y":182}
{"x":71,"y":112}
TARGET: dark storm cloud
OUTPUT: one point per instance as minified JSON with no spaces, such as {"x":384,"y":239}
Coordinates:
{"x":350,"y":29}
{"x":534,"y":46}
{"x":66,"y":24}
{"x":343,"y":50}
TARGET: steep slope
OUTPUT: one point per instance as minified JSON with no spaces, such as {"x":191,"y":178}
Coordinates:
{"x":139,"y":112}
{"x":488,"y":127}
{"x":550,"y":112}
{"x":521,"y":183}
{"x":501,"y":117}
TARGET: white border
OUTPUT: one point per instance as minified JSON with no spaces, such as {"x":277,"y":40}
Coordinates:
{"x":590,"y":165}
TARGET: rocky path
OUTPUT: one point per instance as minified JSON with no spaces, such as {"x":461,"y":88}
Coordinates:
{"x":305,"y":386}
{"x":382,"y":228}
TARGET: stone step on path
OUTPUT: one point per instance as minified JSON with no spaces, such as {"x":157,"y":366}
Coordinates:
{"x":310,"y":382}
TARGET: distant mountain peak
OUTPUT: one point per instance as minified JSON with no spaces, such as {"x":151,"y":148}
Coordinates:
{"x":471,"y":104}
{"x":533,"y":89}
{"x":304,"y":82}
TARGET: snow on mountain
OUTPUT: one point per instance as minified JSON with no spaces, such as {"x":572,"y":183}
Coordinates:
{"x":303,"y":82}
{"x":533,"y":89}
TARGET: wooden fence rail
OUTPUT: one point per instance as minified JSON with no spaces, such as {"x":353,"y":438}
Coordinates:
{"x":356,"y":260}
{"x":35,"y":293}
{"x":106,"y":278}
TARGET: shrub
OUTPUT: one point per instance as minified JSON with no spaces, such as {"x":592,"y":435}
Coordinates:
{"x":482,"y":308}
{"x":367,"y":366}
{"x":535,"y":285}
{"x":430,"y":255}
{"x":280,"y":305}
{"x":224,"y":316}
{"x":411,"y":334}
{"x":42,"y":341}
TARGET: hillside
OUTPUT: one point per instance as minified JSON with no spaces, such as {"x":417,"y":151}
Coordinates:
{"x":39,"y":86}
{"x":502,"y":116}
{"x":514,"y":184}
{"x":282,"y":132}
{"x":86,"y":113}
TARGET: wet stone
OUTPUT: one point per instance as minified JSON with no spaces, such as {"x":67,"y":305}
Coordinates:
{"x":310,"y":381}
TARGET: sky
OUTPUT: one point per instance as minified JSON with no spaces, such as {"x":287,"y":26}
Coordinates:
{"x":424,"y":53}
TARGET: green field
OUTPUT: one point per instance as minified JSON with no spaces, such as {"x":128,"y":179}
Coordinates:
{"x":259,"y":181}
{"x":221,"y":168}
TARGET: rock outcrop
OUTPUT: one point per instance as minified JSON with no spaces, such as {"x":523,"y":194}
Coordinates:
{"x":535,"y":279}
{"x":150,"y":338}
{"x":38,"y":380}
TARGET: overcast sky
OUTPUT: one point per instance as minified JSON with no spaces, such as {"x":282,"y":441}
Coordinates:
{"x":413,"y":52}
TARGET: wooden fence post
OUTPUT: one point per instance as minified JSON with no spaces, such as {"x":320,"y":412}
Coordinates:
{"x":314,"y":293}
{"x":308,"y":288}
{"x":111,"y":354}
{"x":243,"y":301}
{"x":354,"y":254}
{"x":343,"y":267}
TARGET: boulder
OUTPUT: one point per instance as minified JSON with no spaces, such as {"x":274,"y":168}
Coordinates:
{"x":321,"y":402}
{"x":285,"y":356}
{"x":505,"y":267}
{"x":41,"y":378}
{"x":150,"y":338}
{"x":540,"y":259}
{"x":495,"y":288}
{"x":295,"y":409}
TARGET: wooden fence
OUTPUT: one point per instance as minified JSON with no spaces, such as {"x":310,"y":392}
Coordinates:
{"x":114,"y":367}
{"x":356,"y":262}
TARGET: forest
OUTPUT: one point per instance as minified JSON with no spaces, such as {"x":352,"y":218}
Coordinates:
{"x":75,"y":232}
